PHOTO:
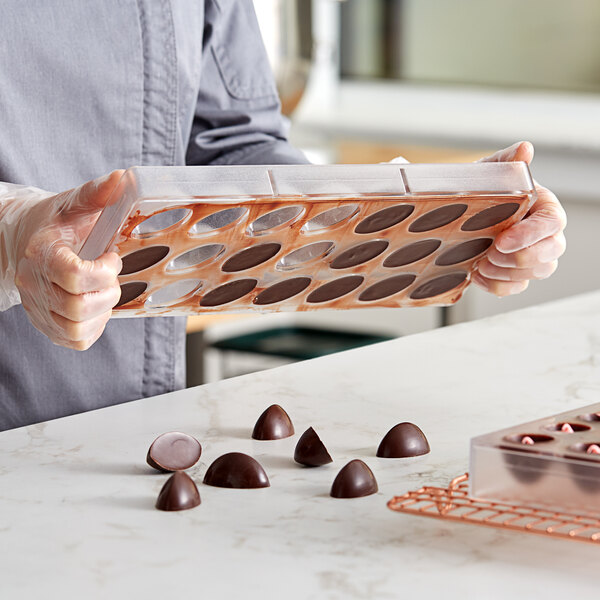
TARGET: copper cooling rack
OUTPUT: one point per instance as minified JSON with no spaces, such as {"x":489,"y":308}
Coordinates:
{"x":454,"y":504}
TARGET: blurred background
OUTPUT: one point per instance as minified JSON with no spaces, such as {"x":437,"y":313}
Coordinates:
{"x":363,"y":81}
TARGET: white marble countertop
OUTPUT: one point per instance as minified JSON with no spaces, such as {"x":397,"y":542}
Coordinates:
{"x":77,"y":516}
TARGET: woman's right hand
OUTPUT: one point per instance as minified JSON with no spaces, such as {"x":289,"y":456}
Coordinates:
{"x":68,"y":299}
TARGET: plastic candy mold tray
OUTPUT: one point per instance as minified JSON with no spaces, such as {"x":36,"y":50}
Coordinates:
{"x":272,"y":238}
{"x":551,"y":463}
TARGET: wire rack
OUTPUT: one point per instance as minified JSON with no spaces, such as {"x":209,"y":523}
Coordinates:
{"x":454,"y":504}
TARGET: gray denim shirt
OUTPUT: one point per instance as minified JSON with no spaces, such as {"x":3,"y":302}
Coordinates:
{"x":87,"y":87}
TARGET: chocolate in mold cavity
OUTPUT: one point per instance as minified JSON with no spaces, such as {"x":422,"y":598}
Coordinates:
{"x":174,"y":451}
{"x":310,"y":450}
{"x":387,"y":287}
{"x":251,"y":257}
{"x":130,"y":291}
{"x":178,"y":493}
{"x":529,"y":439}
{"x":524,"y":468}
{"x":358,"y":255}
{"x":589,"y":417}
{"x":236,"y":470}
{"x":282,"y":291}
{"x":402,"y":441}
{"x":586,"y":472}
{"x":273,"y":424}
{"x":437,"y":218}
{"x":228,"y":292}
{"x":438,"y":285}
{"x":355,"y":480}
{"x":142,"y":259}
{"x":490,"y":216}
{"x":589,"y":448}
{"x":412,"y":253}
{"x":385,"y":218}
{"x":565,"y":427}
{"x":464,"y":251}
{"x":335,"y":289}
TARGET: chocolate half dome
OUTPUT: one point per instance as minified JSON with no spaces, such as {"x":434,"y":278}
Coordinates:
{"x":236,"y":470}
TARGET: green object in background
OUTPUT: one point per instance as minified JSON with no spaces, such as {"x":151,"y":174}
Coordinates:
{"x":297,"y":343}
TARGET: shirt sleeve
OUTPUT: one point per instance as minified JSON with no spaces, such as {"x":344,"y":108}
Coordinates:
{"x":237,"y":118}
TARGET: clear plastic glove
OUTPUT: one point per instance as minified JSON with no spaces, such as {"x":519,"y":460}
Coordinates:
{"x":529,"y":249}
{"x":66,"y":298}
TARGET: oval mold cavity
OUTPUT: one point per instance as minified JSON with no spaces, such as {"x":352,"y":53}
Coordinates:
{"x":218,"y":220}
{"x":161,"y":221}
{"x":173,"y":292}
{"x":330,"y":218}
{"x":304,"y":255}
{"x":274,"y":219}
{"x":195,"y":257}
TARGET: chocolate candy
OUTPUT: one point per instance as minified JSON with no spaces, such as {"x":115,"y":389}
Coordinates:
{"x":412,"y":253}
{"x":357,"y":255}
{"x":523,"y":467}
{"x":273,"y":424}
{"x":403,"y":440}
{"x":385,"y":218}
{"x":178,"y":493}
{"x":490,"y":216}
{"x":566,"y":427}
{"x":228,"y":292}
{"x":130,"y":291}
{"x":387,"y":287}
{"x":283,"y":290}
{"x":251,"y":257}
{"x":335,"y":289}
{"x":236,"y":470}
{"x":463,"y":251}
{"x":142,"y":259}
{"x":174,"y":451}
{"x":354,"y":481}
{"x":310,"y":450}
{"x":438,"y":285}
{"x":438,"y":217}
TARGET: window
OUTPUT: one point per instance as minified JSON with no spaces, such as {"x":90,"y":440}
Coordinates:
{"x":531,"y":44}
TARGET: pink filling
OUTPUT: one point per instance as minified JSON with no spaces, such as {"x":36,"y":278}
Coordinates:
{"x":527,"y":441}
{"x":593,"y":449}
{"x":566,"y":428}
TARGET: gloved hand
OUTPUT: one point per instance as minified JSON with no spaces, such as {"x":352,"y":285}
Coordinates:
{"x":529,"y":249}
{"x":66,"y":298}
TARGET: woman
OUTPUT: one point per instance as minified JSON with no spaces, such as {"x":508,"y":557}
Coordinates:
{"x":90,"y":87}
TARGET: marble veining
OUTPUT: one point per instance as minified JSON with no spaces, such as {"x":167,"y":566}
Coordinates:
{"x":77,"y":515}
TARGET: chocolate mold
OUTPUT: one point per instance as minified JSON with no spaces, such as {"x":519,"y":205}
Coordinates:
{"x":553,"y":462}
{"x":304,"y":237}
